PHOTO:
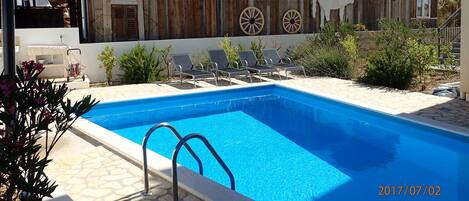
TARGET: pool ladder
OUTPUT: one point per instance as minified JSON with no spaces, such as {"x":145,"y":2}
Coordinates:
{"x":182,"y":142}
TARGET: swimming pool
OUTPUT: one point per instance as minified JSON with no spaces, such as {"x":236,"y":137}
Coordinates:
{"x":283,"y":144}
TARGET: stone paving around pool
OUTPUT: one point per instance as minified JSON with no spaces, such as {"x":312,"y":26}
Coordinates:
{"x":99,"y":174}
{"x":87,"y":171}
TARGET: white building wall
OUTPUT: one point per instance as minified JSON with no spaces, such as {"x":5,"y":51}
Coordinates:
{"x":199,"y":46}
{"x":194,"y":47}
{"x":46,"y":36}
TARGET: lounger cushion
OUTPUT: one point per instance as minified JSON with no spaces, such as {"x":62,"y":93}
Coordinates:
{"x":289,"y":66}
{"x":219,"y":57}
{"x":233,"y":71}
{"x":262,"y":69}
{"x":197,"y":73}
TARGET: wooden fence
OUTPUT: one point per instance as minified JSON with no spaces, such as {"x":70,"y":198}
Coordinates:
{"x":210,"y":18}
{"x":174,"y":19}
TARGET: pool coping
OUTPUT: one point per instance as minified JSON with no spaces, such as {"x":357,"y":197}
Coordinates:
{"x":204,"y":187}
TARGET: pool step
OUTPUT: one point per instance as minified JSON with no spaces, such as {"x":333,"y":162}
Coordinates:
{"x":182,"y":143}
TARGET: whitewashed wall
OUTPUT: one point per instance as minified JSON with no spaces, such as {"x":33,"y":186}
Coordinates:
{"x":46,"y":36}
{"x":195,"y":47}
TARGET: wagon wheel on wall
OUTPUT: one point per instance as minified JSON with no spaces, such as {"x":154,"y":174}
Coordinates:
{"x":292,"y":21}
{"x":251,"y":21}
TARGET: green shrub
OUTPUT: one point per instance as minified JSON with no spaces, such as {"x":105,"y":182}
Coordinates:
{"x":389,"y":68}
{"x":394,"y":34}
{"x":332,"y":34}
{"x":257,"y":46}
{"x":301,"y":49}
{"x":449,"y":62}
{"x":108,"y":61}
{"x":325,"y":54}
{"x":350,"y":45}
{"x":230,"y":49}
{"x":202,"y":58}
{"x":165,"y":59}
{"x":405,"y":57}
{"x":422,"y":56}
{"x":360,"y":27}
{"x":327,"y":61}
{"x":141,"y":66}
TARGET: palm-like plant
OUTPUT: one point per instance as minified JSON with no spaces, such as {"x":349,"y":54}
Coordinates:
{"x":140,"y":66}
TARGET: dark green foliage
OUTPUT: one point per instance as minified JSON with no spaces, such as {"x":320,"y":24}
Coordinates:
{"x":323,"y":54}
{"x":31,"y":109}
{"x":389,"y":68}
{"x":141,"y":66}
{"x":403,"y":59}
{"x":165,"y":59}
{"x":394,"y":34}
{"x":327,"y":61}
{"x":257,"y":46}
{"x":231,"y":49}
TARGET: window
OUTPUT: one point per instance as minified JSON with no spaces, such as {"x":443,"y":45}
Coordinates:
{"x":423,"y":8}
{"x":28,"y":3}
{"x":124,"y":22}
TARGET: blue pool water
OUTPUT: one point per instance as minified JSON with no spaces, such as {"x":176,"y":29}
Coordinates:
{"x":283,"y":144}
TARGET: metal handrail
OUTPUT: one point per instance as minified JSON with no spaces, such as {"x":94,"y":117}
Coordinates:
{"x":210,"y":148}
{"x":447,"y":32}
{"x":450,"y":18}
{"x":144,"y":147}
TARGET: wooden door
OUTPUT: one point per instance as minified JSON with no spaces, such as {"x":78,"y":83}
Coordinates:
{"x":124,"y":22}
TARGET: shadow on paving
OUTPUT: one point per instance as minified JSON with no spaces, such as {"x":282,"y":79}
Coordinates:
{"x":183,"y":86}
{"x":454,"y":112}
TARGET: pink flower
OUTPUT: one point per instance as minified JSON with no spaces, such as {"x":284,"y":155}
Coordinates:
{"x":46,"y":115}
{"x":24,"y":64}
{"x":26,"y":75}
{"x":38,"y":67}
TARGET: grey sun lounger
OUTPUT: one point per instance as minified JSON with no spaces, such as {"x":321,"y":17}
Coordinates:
{"x":273,"y":58}
{"x":250,"y":62}
{"x":221,"y":65}
{"x":183,"y":66}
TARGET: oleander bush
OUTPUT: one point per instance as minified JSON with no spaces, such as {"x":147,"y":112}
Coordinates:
{"x":34,"y":115}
